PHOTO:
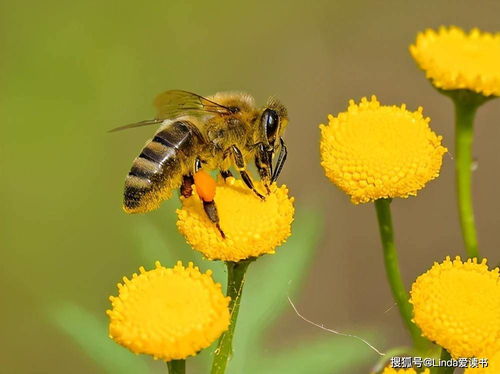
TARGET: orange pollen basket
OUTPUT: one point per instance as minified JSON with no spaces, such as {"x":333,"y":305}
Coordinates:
{"x":205,"y":185}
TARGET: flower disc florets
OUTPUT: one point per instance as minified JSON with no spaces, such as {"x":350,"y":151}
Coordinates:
{"x":252,"y":226}
{"x":493,"y":363}
{"x":457,"y":305}
{"x":374,"y":151}
{"x":168,"y":313}
{"x":453,"y":59}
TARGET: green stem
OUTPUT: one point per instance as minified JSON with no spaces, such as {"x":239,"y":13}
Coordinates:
{"x":464,"y":131}
{"x":176,"y":366}
{"x":235,"y":281}
{"x":393,"y":274}
{"x":445,"y":356}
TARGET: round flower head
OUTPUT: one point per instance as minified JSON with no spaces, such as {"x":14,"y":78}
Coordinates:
{"x":374,"y":151}
{"x":493,"y":367}
{"x":457,"y":305}
{"x":389,"y":370}
{"x":168,"y":313}
{"x":455,"y":60}
{"x":252,"y":226}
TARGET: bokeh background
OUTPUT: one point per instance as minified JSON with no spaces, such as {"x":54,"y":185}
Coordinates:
{"x":71,"y":70}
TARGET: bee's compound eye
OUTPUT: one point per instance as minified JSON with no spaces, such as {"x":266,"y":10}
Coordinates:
{"x":270,"y":120}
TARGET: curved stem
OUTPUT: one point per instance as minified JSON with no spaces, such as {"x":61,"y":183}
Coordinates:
{"x":464,"y":121}
{"x":235,"y":281}
{"x":176,"y":366}
{"x":393,"y":274}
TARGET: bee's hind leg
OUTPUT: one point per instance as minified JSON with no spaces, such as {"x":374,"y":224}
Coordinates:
{"x":240,"y":165}
{"x":205,"y":187}
{"x":211,"y":211}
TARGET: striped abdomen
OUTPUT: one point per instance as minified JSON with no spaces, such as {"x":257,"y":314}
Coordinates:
{"x":159,"y":168}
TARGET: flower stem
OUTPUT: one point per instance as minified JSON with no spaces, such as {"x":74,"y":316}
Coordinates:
{"x":445,"y":356}
{"x":464,"y":121}
{"x":466,"y":103}
{"x":176,"y":367}
{"x":235,"y":281}
{"x":393,"y":274}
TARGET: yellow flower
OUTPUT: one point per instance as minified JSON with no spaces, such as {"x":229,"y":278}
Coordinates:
{"x":457,"y":305}
{"x":389,"y":370}
{"x":493,"y":364}
{"x":168,"y":313}
{"x":374,"y":151}
{"x":454,"y":60}
{"x":252,"y":226}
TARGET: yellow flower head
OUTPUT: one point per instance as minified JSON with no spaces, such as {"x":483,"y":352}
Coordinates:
{"x":453,"y":59}
{"x":457,"y":305}
{"x":493,"y":363}
{"x":374,"y":151}
{"x":389,"y":370}
{"x":168,"y":313}
{"x":252,"y":226}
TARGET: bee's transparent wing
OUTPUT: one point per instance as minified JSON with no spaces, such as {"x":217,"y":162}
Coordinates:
{"x":137,"y":124}
{"x":176,"y":103}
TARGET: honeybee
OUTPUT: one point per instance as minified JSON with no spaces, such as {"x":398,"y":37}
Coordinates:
{"x":199,"y":134}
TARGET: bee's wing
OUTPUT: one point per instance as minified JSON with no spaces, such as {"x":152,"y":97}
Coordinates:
{"x":176,"y":103}
{"x":137,"y":124}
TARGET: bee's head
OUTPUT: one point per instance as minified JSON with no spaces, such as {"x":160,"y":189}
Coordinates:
{"x":274,"y":120}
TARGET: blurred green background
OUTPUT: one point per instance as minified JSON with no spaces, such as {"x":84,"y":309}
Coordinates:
{"x":69,"y":71}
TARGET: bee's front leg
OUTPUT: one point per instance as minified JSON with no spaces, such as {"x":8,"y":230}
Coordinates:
{"x":264,"y":165}
{"x":240,"y":166}
{"x":281,"y":160}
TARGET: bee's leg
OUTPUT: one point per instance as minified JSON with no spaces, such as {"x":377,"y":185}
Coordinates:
{"x":226,"y":174}
{"x":211,"y":211}
{"x":226,"y":153}
{"x":281,"y":160}
{"x":240,"y":165}
{"x":205,"y":187}
{"x":187,"y":185}
{"x":264,"y":165}
{"x":188,"y":180}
